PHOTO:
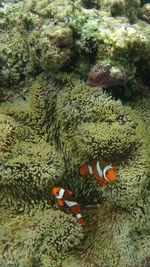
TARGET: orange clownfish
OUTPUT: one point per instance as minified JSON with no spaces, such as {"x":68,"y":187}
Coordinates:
{"x":103,"y":172}
{"x":65,"y":197}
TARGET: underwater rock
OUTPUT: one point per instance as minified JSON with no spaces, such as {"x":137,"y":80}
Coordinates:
{"x":99,"y":76}
{"x":145,"y":13}
{"x":121,"y":7}
{"x":13,"y":57}
{"x":115,"y":7}
{"x":33,"y":39}
{"x":52,"y":46}
{"x":39,"y":36}
{"x":104,"y":75}
{"x":113,"y":43}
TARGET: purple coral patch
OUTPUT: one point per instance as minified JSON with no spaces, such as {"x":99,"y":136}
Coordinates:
{"x":99,"y":75}
{"x":105,"y":75}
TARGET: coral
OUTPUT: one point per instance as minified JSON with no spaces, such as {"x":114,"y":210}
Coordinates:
{"x":34,"y":37}
{"x":64,"y":122}
{"x":58,"y":10}
{"x":145,"y":13}
{"x":91,"y":4}
{"x":51,"y":39}
{"x":122,"y":7}
{"x":39,"y":36}
{"x":52,"y":45}
{"x":13,"y":57}
{"x":105,"y":75}
{"x":42,"y":239}
{"x":115,"y":7}
{"x":116,"y":45}
{"x":99,"y":76}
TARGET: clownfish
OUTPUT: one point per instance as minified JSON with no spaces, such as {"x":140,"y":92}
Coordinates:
{"x":65,"y":197}
{"x":103,"y":172}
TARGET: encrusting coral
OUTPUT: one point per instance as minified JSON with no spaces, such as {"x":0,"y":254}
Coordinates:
{"x":49,"y":36}
{"x":145,"y":12}
{"x":34,"y":37}
{"x":118,"y":45}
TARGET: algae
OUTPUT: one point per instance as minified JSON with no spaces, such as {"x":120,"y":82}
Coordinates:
{"x":50,"y":36}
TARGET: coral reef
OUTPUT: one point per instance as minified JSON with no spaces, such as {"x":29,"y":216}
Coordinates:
{"x":105,"y":75}
{"x":117,"y":44}
{"x":58,"y":56}
{"x":52,"y":49}
{"x":145,"y":13}
{"x":39,"y":36}
{"x":34,"y":38}
{"x":13,"y":57}
{"x":119,"y":7}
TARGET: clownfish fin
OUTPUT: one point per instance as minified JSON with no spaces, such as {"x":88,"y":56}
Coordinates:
{"x":61,"y":202}
{"x":70,"y":192}
{"x":97,"y":176}
{"x":82,"y":221}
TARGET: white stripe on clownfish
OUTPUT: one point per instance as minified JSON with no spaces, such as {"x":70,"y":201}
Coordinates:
{"x":61,"y":193}
{"x":70,"y":203}
{"x":90,"y":169}
{"x":108,"y":167}
{"x":102,"y":173}
{"x":79,"y":216}
{"x":99,"y":170}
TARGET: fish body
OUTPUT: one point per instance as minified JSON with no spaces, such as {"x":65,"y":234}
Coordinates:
{"x":105,"y":173}
{"x":65,"y":197}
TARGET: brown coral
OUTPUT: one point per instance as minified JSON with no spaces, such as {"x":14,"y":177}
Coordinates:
{"x":145,"y":12}
{"x":104,"y":75}
{"x":98,"y":75}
